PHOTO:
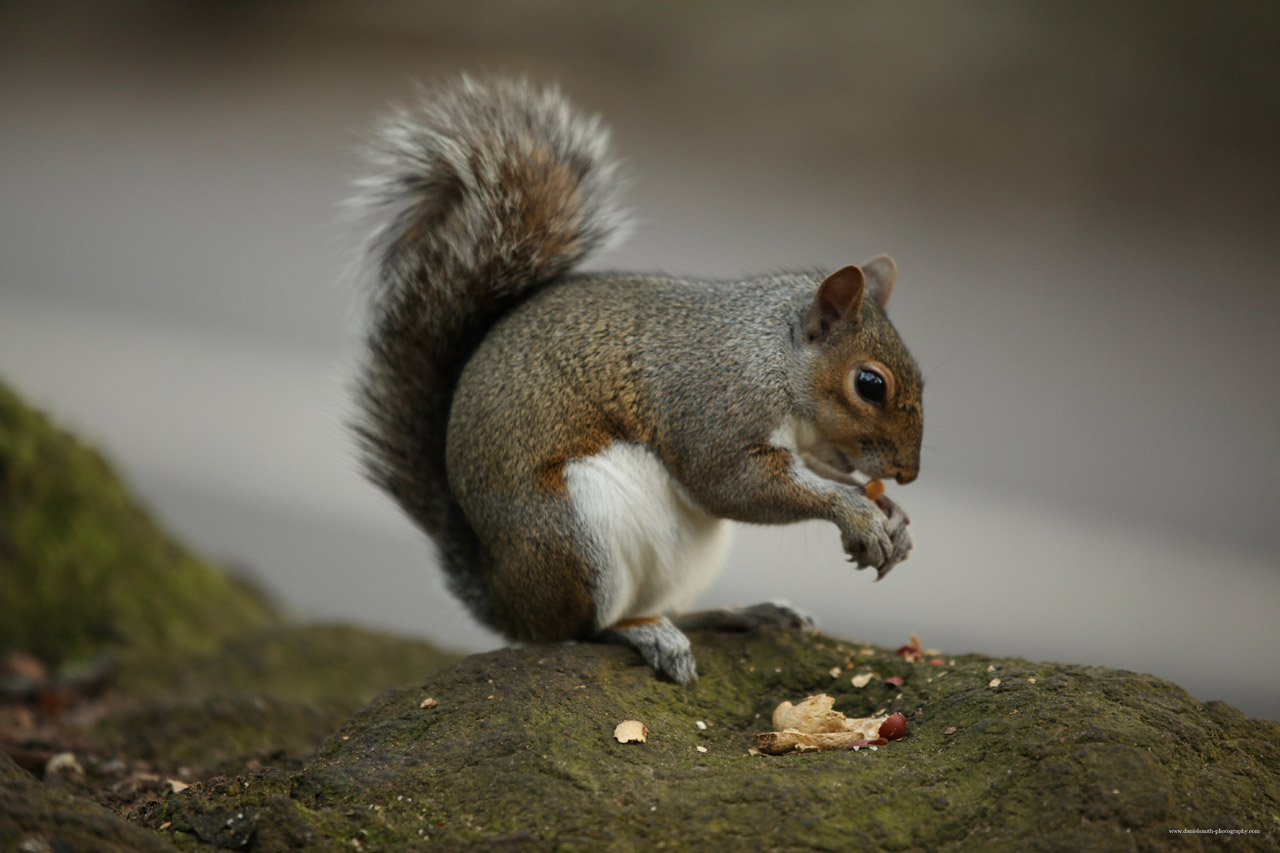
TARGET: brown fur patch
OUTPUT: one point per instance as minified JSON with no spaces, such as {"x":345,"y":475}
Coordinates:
{"x":544,"y":596}
{"x":776,"y":460}
{"x":550,"y":475}
{"x":593,"y":429}
{"x":634,"y":622}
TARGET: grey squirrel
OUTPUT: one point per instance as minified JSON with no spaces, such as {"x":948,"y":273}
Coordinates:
{"x":576,"y":444}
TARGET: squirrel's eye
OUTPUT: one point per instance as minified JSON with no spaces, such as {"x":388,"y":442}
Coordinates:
{"x":870,"y":385}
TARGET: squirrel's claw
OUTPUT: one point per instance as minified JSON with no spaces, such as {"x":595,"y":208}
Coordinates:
{"x":884,"y":570}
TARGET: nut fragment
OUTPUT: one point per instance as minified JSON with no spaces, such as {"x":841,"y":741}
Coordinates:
{"x":778,"y":743}
{"x":874,"y":490}
{"x":63,"y":763}
{"x":813,"y":725}
{"x":894,"y":727}
{"x":631,"y":731}
{"x":812,"y":715}
{"x":428,"y":703}
{"x":912,"y":651}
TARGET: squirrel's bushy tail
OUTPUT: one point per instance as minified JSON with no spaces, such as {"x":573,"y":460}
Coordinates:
{"x":488,"y":191}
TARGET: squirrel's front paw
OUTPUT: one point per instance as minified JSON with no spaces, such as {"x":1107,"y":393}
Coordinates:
{"x":898,"y":533}
{"x":902,"y":545}
{"x":868,"y":540}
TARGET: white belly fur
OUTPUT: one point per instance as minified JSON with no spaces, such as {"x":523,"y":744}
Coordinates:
{"x":660,"y":551}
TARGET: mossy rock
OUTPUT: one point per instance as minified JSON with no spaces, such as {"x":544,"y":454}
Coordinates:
{"x":86,"y":570}
{"x":273,"y":694}
{"x":519,"y":754}
{"x":316,"y":663}
{"x":270,"y":698}
{"x":37,"y":817}
{"x":201,"y":674}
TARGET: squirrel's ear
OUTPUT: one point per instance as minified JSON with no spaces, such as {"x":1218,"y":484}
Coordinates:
{"x":881,"y":273}
{"x":838,"y":301}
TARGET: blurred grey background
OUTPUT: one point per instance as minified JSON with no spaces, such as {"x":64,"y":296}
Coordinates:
{"x":1082,"y":198}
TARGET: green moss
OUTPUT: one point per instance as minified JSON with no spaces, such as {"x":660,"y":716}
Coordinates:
{"x":314,"y":663}
{"x":220,"y":732}
{"x":273,"y":694}
{"x":86,"y":569}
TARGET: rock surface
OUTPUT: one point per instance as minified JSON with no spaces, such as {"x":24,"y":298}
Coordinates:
{"x":518,"y":753}
{"x":35,"y":817}
{"x":266,"y":699}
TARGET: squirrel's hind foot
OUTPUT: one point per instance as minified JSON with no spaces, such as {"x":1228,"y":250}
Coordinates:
{"x":663,"y":646}
{"x":770,"y":614}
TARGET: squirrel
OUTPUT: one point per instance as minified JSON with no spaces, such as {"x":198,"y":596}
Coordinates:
{"x":577,"y":444}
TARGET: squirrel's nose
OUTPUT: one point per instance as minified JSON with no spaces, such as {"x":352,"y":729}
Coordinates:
{"x":905,"y":476}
